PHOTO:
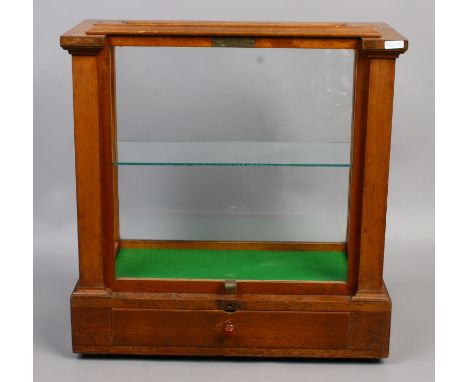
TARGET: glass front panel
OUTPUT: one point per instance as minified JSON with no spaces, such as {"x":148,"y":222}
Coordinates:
{"x":229,"y":144}
{"x":234,"y":94}
{"x":234,"y":107}
{"x":234,"y":203}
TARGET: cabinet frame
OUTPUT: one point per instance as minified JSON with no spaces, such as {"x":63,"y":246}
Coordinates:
{"x":91,"y":45}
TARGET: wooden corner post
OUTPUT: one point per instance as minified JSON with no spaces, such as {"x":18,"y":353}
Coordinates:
{"x":94,"y":121}
{"x":377,"y":126}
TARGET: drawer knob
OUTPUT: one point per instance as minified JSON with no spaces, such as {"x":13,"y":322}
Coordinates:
{"x":229,"y":329}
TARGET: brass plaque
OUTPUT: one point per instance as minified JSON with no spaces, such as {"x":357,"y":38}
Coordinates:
{"x":233,"y":42}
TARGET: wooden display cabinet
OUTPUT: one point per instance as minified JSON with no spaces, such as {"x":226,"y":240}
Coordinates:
{"x":123,"y":306}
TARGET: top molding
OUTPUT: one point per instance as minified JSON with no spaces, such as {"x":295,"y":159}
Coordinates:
{"x":89,"y":36}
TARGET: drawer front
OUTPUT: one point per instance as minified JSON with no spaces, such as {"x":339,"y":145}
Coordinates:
{"x":182,"y":328}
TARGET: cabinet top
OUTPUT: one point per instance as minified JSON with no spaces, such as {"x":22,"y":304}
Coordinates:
{"x":91,"y":34}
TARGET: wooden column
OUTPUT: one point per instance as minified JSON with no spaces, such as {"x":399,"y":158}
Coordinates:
{"x":94,"y":124}
{"x":361,"y":88}
{"x":377,"y":132}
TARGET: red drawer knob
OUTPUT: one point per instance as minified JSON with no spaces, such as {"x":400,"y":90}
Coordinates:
{"x":229,"y":329}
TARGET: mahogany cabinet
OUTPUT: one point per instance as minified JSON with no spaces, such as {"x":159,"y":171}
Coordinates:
{"x":290,"y":269}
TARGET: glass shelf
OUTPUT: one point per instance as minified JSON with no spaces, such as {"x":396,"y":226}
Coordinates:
{"x":234,"y":153}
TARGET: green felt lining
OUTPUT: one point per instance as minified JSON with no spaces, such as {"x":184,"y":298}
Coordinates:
{"x":231,"y":264}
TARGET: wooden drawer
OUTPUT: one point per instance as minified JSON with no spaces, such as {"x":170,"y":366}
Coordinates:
{"x":181,"y":328}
